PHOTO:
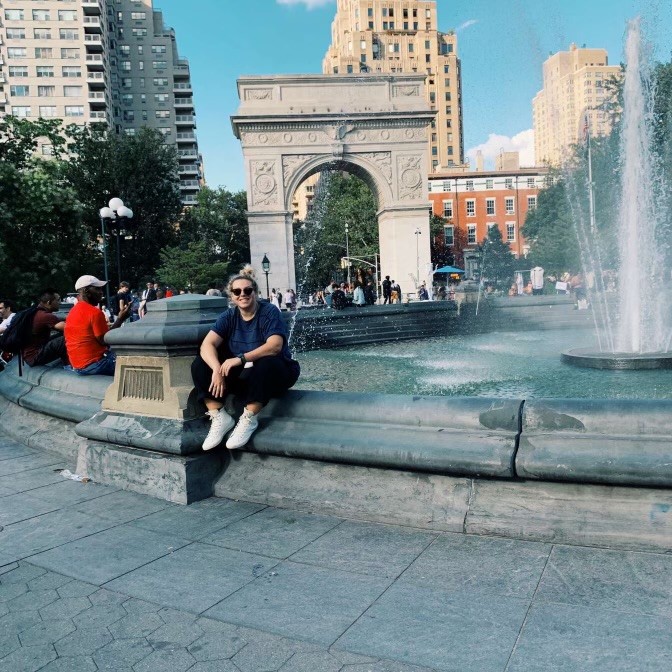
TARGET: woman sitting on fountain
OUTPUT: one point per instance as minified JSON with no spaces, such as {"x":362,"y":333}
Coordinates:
{"x":245,"y":353}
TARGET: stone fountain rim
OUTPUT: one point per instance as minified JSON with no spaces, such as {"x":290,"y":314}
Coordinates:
{"x":618,"y":361}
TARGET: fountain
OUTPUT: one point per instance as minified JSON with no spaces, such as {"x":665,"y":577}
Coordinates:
{"x":641,"y":338}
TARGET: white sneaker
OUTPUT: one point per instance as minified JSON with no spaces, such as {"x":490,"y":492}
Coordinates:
{"x":244,"y":429}
{"x":220,"y":423}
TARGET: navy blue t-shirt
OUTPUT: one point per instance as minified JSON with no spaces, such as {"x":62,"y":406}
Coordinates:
{"x":241,"y":336}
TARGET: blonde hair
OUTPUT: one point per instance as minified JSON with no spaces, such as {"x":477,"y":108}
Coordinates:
{"x":247,"y":272}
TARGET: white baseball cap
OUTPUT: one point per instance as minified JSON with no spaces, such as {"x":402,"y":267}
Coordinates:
{"x":89,"y":281}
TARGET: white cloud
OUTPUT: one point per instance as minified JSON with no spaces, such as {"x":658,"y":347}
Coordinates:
{"x":522,"y":142}
{"x":465,"y":25}
{"x":310,"y":4}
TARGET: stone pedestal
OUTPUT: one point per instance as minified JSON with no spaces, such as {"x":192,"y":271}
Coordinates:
{"x":150,"y":422}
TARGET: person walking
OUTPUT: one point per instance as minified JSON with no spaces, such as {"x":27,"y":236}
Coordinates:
{"x":387,"y":290}
{"x":245,"y":353}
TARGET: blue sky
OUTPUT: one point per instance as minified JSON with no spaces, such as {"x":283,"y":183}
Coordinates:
{"x":502,"y":46}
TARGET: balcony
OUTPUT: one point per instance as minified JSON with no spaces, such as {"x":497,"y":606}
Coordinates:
{"x":95,"y":61}
{"x":93,"y":42}
{"x":96,"y":97}
{"x":190,"y":185}
{"x":93,"y":22}
{"x":187,"y":153}
{"x":185,"y":120}
{"x":3,"y":99}
{"x":188,"y":170}
{"x":182,"y":87}
{"x":184,"y":102}
{"x":92,"y":7}
{"x":98,"y":117}
{"x":96,"y":78}
{"x":186,"y":137}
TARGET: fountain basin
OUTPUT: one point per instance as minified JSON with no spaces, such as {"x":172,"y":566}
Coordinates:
{"x":617,"y":361}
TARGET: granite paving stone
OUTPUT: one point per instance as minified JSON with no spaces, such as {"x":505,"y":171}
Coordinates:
{"x":193,"y":578}
{"x":49,"y":580}
{"x":29,"y":462}
{"x":102,"y":557}
{"x":9,"y":591}
{"x":175,"y":635}
{"x":75,"y":588}
{"x":46,"y":632}
{"x":99,"y":616}
{"x":607,"y":579}
{"x":4,"y":609}
{"x":135,"y":625}
{"x":104,"y":596}
{"x":83,"y":642}
{"x":175,"y":660}
{"x":311,"y":603}
{"x":29,"y":480}
{"x":22,"y":506}
{"x":135,"y":606}
{"x":215,"y":666}
{"x":413,"y":624}
{"x":10,"y":452}
{"x":121,"y":653}
{"x":386,"y":666}
{"x":21,"y":573}
{"x":312,"y":661}
{"x":499,"y":566}
{"x":217,"y":645}
{"x":570,"y":638}
{"x":264,"y":652}
{"x":28,"y":659}
{"x":67,"y":492}
{"x":195,"y":523}
{"x":379,"y":550}
{"x":274,"y":532}
{"x":32,"y":600}
{"x":71,"y":664}
{"x":122,"y":506}
{"x":5,"y":491}
{"x":18,"y":621}
{"x":8,"y":642}
{"x":29,"y":537}
{"x":65,"y":607}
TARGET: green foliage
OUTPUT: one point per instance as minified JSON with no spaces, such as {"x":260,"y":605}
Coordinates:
{"x":319,"y":242}
{"x":141,"y":170}
{"x":19,"y":139}
{"x":442,"y":254}
{"x":188,"y":267}
{"x":219,"y":220}
{"x":497,"y":262}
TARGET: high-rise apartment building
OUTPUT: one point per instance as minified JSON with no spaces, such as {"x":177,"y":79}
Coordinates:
{"x":382,"y":36}
{"x":99,"y":61}
{"x":574,"y":87}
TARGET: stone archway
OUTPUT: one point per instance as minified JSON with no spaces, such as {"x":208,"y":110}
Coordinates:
{"x":374,"y":126}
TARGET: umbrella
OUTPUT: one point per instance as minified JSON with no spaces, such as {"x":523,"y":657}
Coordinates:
{"x":449,"y":269}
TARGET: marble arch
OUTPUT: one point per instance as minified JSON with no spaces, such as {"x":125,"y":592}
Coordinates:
{"x":374,"y":126}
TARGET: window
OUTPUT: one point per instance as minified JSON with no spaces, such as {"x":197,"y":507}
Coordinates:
{"x":47,"y":111}
{"x":47,"y":150}
{"x":508,"y":183}
{"x":67,"y":15}
{"x":138,"y":16}
{"x":531,"y":202}
{"x":141,"y":50}
{"x":161,"y":97}
{"x":489,"y":206}
{"x":348,"y":68}
{"x":70,"y":53}
{"x":469,"y":185}
{"x":385,"y":25}
{"x":20,"y":111}
{"x":471,"y":208}
{"x":129,"y":131}
{"x":19,"y":90}
{"x":160,"y":81}
{"x":16,"y":33}
{"x":14,"y":14}
{"x":44,"y":52}
{"x":139,"y":32}
{"x":435,"y":151}
{"x":129,"y":115}
{"x":16,"y":52}
{"x":68,"y":34}
{"x":509,"y":206}
{"x":126,"y":66}
{"x":449,"y":235}
{"x":489,"y":184}
{"x":74,"y":111}
{"x":471,"y":234}
{"x":18,"y":71}
{"x":446,"y":69}
{"x":161,"y":49}
{"x":126,"y":82}
{"x":42,"y":33}
{"x":530,"y":183}
{"x":40,"y":15}
{"x":72,"y":91}
{"x":162,"y":65}
{"x":127,"y":98}
{"x":163,"y":130}
{"x":162,"y":114}
{"x":369,"y":11}
{"x":448,"y":209}
{"x":71,"y":71}
{"x":427,"y":44}
{"x":411,"y":47}
{"x":125,"y":50}
{"x":510,"y":232}
{"x":46,"y":91}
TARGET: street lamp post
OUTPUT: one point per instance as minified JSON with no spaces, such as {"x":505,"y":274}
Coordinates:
{"x":417,"y":254}
{"x":347,"y":250}
{"x":266,"y":266}
{"x":116,"y":214}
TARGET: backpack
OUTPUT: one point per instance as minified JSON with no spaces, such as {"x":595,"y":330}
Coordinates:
{"x":18,"y":333}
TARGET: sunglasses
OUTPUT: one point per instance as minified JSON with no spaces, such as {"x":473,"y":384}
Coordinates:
{"x":245,"y":290}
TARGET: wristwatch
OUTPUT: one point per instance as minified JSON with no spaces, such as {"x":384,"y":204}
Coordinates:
{"x":242,"y":359}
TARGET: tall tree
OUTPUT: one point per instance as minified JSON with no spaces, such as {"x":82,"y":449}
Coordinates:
{"x":188,"y":268}
{"x":140,"y":169}
{"x":497,"y":262}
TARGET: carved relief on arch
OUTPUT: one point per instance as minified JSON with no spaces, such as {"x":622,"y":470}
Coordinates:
{"x":264,"y":183}
{"x":384,"y":162}
{"x":406,"y":90}
{"x":292,"y":162}
{"x":258,"y":94}
{"x":409,"y":171}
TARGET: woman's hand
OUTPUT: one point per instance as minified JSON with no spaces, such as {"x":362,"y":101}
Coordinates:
{"x":217,"y":388}
{"x":229,"y":364}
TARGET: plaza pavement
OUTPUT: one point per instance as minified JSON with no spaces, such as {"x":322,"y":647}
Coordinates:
{"x":95,"y":578}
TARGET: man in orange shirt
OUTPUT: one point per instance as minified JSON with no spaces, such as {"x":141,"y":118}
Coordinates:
{"x":85,"y":329}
